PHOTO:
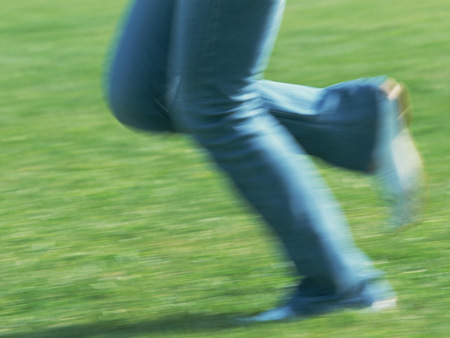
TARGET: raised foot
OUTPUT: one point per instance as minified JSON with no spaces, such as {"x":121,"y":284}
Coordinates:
{"x":396,"y":163}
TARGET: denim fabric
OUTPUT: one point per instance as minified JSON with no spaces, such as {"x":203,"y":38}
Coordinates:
{"x":324,"y":121}
{"x":196,"y":67}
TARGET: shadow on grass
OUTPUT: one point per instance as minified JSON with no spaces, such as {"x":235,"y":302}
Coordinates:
{"x":181,"y":323}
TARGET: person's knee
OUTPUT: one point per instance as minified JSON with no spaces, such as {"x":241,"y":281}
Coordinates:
{"x":144,"y":113}
{"x":120,"y":105}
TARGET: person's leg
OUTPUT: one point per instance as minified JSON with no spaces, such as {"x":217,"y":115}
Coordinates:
{"x":338,"y":124}
{"x":360,"y":125}
{"x":218,"y":52}
{"x":137,"y":88}
{"x":136,"y":83}
{"x":326,"y":122}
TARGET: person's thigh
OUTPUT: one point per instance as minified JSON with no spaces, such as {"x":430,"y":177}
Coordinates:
{"x":219,"y":49}
{"x":136,"y":83}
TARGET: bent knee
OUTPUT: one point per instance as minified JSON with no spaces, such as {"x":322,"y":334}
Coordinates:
{"x":122,"y":106}
{"x":131,"y":110}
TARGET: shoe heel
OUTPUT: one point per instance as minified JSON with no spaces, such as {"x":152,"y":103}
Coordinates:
{"x":399,"y":93}
{"x":404,"y":105}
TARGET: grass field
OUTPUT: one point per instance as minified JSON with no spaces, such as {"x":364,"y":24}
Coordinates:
{"x":109,"y":233}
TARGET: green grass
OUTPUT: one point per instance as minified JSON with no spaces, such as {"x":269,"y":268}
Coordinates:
{"x":109,"y":233}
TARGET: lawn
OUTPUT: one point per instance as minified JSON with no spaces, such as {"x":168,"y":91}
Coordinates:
{"x":110,"y":233}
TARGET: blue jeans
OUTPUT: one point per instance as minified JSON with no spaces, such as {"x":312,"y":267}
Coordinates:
{"x":196,"y":67}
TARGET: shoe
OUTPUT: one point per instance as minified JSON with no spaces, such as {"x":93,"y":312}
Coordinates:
{"x":283,"y":313}
{"x":396,"y":162}
{"x":287,"y":313}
